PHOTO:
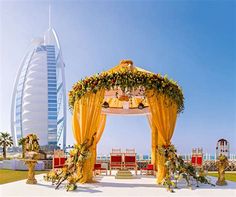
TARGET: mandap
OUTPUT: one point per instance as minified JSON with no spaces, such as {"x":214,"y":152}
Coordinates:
{"x":128,"y":90}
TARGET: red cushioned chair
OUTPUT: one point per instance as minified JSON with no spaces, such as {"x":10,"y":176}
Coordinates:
{"x":199,"y":160}
{"x":196,"y":160}
{"x":193,"y":160}
{"x":149,"y":170}
{"x":115,"y":161}
{"x":59,"y":159}
{"x":59,"y":162}
{"x":98,"y":168}
{"x":130,"y":162}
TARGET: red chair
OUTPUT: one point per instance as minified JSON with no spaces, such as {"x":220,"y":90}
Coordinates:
{"x":115,"y":161}
{"x":193,"y":160}
{"x":130,"y":162}
{"x":59,"y":159}
{"x":149,"y":170}
{"x":98,"y":167}
{"x":197,"y":160}
{"x":59,"y":162}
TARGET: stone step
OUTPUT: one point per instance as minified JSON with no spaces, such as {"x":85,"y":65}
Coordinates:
{"x":124,"y":174}
{"x":124,"y":177}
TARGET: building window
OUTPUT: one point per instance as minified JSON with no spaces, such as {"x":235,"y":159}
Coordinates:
{"x":51,"y":85}
{"x":52,"y":109}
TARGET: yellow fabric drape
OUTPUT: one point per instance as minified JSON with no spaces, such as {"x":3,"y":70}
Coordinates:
{"x":85,"y":121}
{"x":164,"y":114}
{"x":154,"y":137}
{"x":100,"y":129}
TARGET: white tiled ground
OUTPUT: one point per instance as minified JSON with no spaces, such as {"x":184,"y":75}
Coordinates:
{"x":109,"y":186}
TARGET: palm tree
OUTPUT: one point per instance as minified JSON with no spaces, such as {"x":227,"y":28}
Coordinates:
{"x":5,"y":141}
{"x":22,"y":143}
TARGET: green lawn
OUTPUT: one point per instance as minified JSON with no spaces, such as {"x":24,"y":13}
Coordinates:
{"x":7,"y":176}
{"x":228,"y":175}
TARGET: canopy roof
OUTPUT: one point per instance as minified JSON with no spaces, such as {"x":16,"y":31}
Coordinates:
{"x":125,"y":86}
{"x":126,"y":65}
{"x":116,"y":105}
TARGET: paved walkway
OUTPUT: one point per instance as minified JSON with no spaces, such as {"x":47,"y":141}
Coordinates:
{"x":109,"y":186}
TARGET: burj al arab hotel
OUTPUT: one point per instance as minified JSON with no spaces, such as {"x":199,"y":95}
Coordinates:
{"x":39,"y":95}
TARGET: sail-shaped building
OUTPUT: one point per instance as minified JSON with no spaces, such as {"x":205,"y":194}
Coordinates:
{"x":39,"y":95}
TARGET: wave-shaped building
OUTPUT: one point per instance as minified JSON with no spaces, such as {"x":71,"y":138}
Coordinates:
{"x":39,"y":95}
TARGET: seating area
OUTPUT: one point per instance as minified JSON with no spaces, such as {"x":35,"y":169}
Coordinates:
{"x":118,"y":160}
{"x":123,"y":160}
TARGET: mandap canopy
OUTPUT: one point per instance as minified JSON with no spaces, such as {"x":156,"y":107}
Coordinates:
{"x":129,"y":90}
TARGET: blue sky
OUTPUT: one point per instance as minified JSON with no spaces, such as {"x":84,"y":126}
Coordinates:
{"x":192,"y":42}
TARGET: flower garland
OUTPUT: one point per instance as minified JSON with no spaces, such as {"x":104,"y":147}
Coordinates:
{"x":73,"y":165}
{"x":127,"y":79}
{"x":177,"y":169}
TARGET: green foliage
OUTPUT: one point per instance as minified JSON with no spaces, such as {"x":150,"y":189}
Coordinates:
{"x":127,"y":79}
{"x":178,"y":169}
{"x":7,"y":158}
{"x":5,"y":141}
{"x":21,"y":142}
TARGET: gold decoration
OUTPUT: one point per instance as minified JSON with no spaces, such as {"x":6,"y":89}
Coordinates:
{"x":31,"y":173}
{"x":124,"y":98}
{"x":30,"y":150}
{"x":31,"y":143}
{"x":222,"y":163}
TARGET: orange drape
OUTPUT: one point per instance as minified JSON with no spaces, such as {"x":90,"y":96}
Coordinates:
{"x":164,"y":113}
{"x":100,"y":129}
{"x":85,"y":120}
{"x":154,"y":137}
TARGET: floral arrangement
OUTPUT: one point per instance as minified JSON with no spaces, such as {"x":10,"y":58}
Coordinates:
{"x":74,"y":165}
{"x":31,"y":143}
{"x":177,"y":169}
{"x":128,"y":79}
{"x":30,"y":146}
